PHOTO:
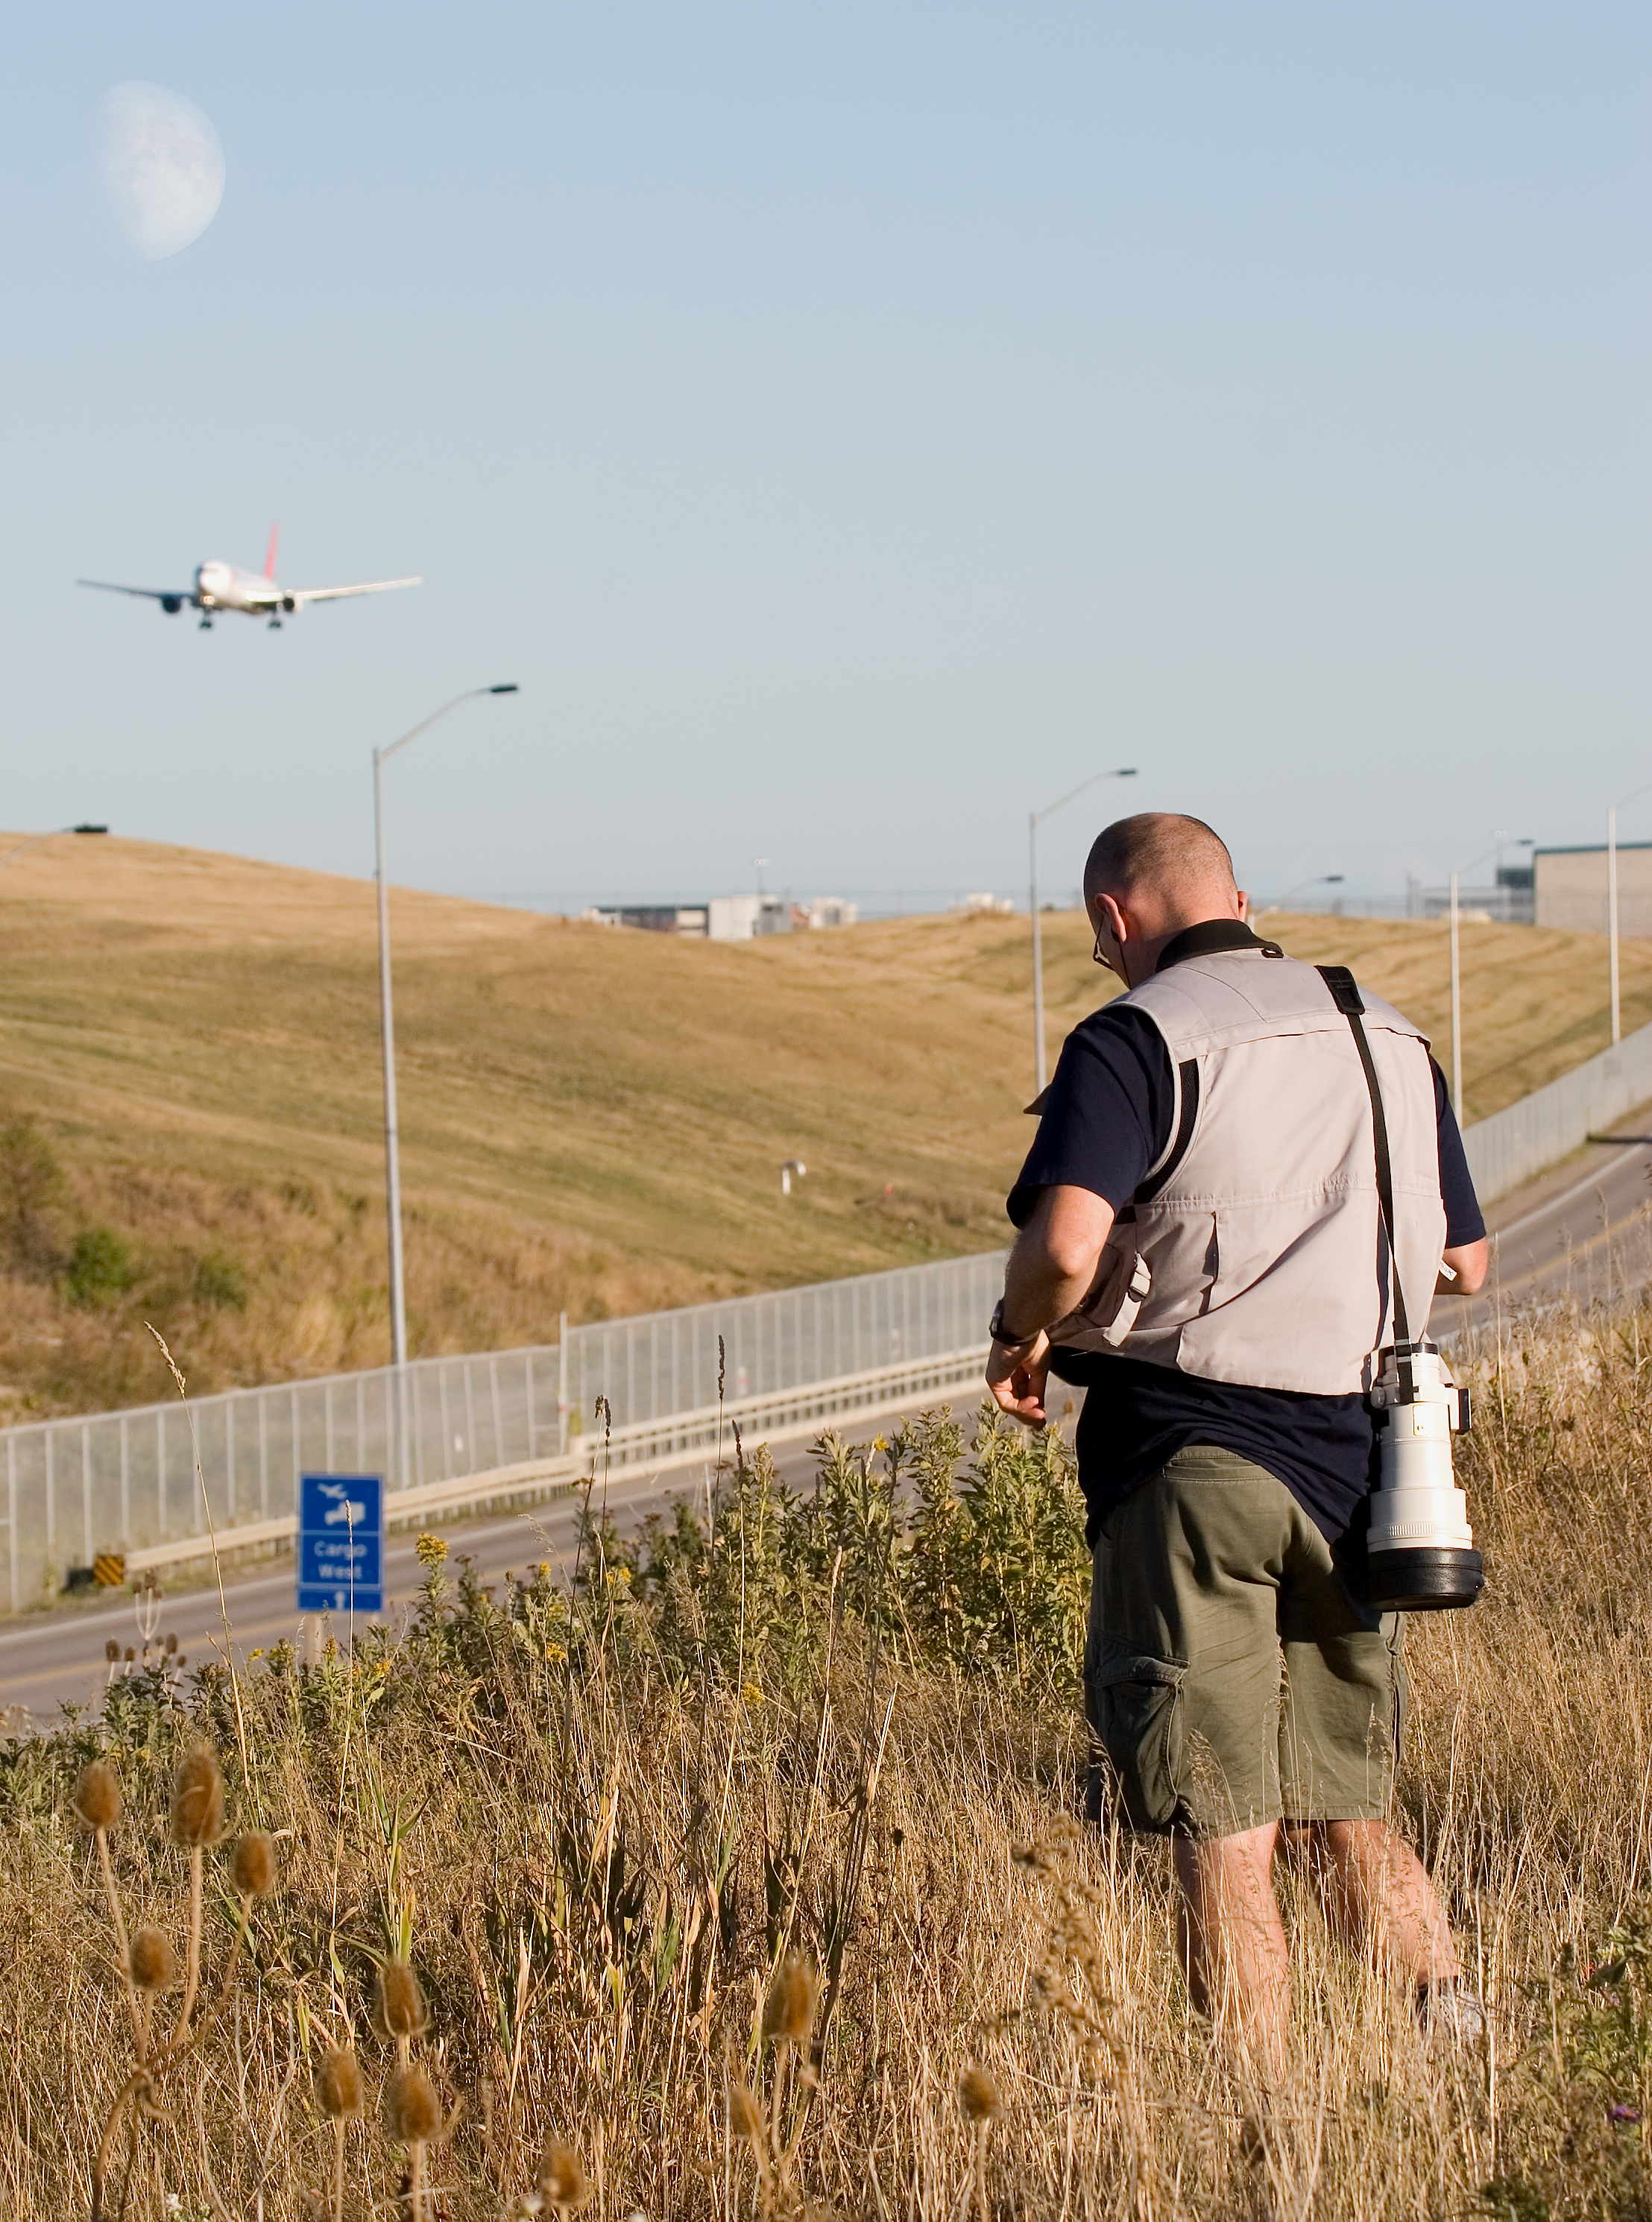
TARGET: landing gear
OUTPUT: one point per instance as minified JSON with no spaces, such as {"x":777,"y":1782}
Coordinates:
{"x":275,"y":625}
{"x":206,"y":624}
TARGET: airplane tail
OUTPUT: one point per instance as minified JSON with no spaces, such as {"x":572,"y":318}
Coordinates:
{"x":269,"y":561}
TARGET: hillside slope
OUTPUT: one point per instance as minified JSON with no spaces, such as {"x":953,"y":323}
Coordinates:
{"x":591,"y":1120}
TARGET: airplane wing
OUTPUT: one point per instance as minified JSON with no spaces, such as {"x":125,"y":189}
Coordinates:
{"x":148,"y":593}
{"x":338,"y":594}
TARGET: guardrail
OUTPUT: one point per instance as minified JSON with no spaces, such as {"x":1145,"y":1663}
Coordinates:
{"x":773,"y":1419}
{"x":1541,"y":1128}
{"x":126,"y":1483}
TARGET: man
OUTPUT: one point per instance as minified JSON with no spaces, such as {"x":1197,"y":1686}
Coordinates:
{"x":1216,"y":1122}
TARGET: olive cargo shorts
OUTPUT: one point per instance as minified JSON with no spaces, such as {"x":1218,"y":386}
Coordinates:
{"x":1230,"y":1678}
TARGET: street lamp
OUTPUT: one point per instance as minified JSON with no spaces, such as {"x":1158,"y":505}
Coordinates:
{"x":1035,"y":819}
{"x":1319,"y":880}
{"x":29,"y":840}
{"x":392,"y":1158}
{"x":1457,"y":982}
{"x":1613,"y":810}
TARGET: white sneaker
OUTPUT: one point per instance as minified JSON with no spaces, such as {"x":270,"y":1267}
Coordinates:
{"x":1449,"y":2013}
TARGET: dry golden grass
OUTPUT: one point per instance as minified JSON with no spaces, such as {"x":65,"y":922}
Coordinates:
{"x":787,"y":1913}
{"x":593,"y":1121}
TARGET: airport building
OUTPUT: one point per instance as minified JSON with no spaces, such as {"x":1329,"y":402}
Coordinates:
{"x":1571,"y":887}
{"x":1510,"y":901}
{"x":727,"y":918}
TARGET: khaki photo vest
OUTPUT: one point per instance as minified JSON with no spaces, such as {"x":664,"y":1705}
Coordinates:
{"x":1253,"y":1251}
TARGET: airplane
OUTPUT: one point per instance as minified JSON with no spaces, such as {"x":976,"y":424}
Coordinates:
{"x":220,"y":586}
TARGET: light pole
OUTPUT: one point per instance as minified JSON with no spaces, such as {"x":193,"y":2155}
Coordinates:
{"x":1457,"y":984}
{"x":1035,"y":819}
{"x":1613,"y":810}
{"x":29,"y":840}
{"x":393,"y":1157}
{"x":1319,"y":880}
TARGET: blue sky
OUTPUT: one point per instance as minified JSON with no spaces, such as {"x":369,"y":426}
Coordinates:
{"x":850,"y":425}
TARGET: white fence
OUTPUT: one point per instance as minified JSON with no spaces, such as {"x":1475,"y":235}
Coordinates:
{"x":1551,"y":1123}
{"x":125,"y":1482}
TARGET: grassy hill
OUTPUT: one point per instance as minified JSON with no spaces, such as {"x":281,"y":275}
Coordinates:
{"x":592,"y":1120}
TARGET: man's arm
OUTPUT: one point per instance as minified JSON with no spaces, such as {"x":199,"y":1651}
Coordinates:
{"x":1050,"y":1272}
{"x":1469,"y":1262}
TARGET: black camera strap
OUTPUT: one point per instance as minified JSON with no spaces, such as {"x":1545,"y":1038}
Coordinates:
{"x":1346,"y":995}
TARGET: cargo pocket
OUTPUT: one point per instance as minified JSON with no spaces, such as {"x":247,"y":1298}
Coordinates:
{"x":1134,"y":1703}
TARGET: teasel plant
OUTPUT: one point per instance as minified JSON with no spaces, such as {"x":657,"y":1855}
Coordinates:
{"x":412,"y":2110}
{"x":561,"y":2186}
{"x":788,"y":2023}
{"x":146,"y":1958}
{"x":340,"y":2096}
{"x":980,"y":2105}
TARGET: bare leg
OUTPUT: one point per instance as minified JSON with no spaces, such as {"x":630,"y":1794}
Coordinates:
{"x":1378,"y":1897}
{"x":1233,"y":1945}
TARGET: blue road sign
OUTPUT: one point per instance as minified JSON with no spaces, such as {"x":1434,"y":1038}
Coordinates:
{"x":341,"y":1542}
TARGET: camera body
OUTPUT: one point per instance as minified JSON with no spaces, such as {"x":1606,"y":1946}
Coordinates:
{"x":1420,"y":1554}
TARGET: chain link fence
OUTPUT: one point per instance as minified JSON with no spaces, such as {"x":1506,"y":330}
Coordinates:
{"x":118,"y":1482}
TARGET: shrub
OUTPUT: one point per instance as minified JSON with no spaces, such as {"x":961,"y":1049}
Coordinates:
{"x":100,"y":1267}
{"x":219,"y":1281}
{"x":31,"y":1185}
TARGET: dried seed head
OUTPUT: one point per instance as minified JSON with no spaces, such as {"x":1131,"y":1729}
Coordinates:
{"x":789,"y":2009}
{"x":412,"y":2110}
{"x":197,"y":1799}
{"x":338,"y":2084}
{"x":112,"y":1652}
{"x":399,"y":2008}
{"x":745,"y":2115}
{"x":153,"y":1964}
{"x":253,"y":1868}
{"x":98,"y":1796}
{"x":978,"y":2094}
{"x":128,"y":1654}
{"x":172,"y":1643}
{"x":561,"y":2179}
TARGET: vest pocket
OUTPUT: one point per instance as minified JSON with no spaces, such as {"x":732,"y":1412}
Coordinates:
{"x":1133,"y":1702}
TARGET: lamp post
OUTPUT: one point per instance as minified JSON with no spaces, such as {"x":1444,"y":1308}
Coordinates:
{"x":1319,"y":880}
{"x":1457,"y":984}
{"x":1035,"y":819}
{"x":29,"y":840}
{"x":1613,"y":810}
{"x":393,"y":1157}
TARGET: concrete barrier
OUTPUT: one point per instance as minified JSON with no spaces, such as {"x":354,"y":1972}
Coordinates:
{"x":1541,"y":1128}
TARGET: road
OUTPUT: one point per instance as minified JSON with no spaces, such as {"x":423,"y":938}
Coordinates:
{"x":1586,"y":1230}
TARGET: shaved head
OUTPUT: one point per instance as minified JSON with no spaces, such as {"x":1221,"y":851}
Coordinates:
{"x":1159,"y":855}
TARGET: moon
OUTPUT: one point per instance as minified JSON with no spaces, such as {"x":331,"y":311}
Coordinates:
{"x":162,"y":164}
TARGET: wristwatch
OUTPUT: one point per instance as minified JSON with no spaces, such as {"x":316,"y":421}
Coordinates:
{"x":1002,"y":1335}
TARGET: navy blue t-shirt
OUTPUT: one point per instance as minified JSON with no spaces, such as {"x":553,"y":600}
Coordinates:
{"x":1106,"y":1118}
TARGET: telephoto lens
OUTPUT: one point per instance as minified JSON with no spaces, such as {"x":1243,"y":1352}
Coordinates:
{"x":1420,"y":1554}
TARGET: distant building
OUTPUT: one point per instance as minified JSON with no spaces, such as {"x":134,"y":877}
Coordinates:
{"x":725,"y":917}
{"x":653,"y":918}
{"x":1571,"y":887}
{"x":984,"y":906}
{"x":741,"y":917}
{"x":1509,"y":902}
{"x":829,"y":911}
